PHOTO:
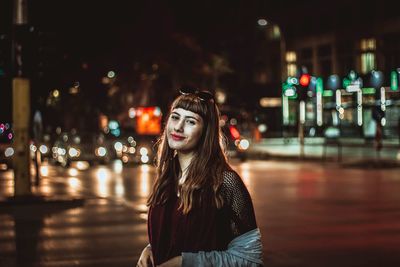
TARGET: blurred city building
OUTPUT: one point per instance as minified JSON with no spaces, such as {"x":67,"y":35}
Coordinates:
{"x":356,"y":43}
{"x":121,"y":58}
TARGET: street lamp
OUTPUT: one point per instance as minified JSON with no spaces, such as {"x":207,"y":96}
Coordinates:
{"x":288,"y":92}
{"x":276,"y":33}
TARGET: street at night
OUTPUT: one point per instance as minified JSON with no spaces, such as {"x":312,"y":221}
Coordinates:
{"x":310,"y":214}
{"x":117,"y":120}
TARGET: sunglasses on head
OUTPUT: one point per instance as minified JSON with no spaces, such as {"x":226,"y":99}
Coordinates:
{"x":202,"y":95}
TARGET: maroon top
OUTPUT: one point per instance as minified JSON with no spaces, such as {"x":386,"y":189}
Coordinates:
{"x":202,"y":229}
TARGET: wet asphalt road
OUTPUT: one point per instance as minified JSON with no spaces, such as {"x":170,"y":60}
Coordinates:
{"x":310,"y":214}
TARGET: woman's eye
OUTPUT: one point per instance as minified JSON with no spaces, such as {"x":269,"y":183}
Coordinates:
{"x":174,"y":117}
{"x":191,"y":122}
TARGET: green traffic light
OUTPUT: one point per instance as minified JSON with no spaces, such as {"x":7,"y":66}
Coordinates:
{"x":319,"y":85}
{"x":394,"y":82}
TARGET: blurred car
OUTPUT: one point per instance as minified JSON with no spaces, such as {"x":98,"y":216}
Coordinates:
{"x":43,"y":147}
{"x":69,"y":147}
{"x":136,"y":149}
{"x":137,"y":139}
{"x":6,"y":147}
{"x":237,"y":143}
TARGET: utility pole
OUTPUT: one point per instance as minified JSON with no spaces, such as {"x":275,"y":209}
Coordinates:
{"x":302,"y":119}
{"x":304,"y":83}
{"x":21,"y":102}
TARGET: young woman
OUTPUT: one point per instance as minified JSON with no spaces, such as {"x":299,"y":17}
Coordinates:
{"x":200,"y":212}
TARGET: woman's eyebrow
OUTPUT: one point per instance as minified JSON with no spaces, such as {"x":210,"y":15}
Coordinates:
{"x":187,"y":117}
{"x":191,"y":117}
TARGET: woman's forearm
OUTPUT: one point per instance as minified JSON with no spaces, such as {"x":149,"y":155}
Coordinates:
{"x":245,"y":250}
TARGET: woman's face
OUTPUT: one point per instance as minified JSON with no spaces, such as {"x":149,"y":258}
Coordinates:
{"x":184,"y":129}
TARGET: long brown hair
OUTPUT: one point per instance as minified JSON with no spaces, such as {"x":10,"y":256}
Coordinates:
{"x":206,"y":167}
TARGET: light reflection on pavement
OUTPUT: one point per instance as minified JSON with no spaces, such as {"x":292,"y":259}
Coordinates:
{"x":310,"y":214}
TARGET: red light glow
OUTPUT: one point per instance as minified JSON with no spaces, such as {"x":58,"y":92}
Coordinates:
{"x":305,"y":79}
{"x":234,"y":132}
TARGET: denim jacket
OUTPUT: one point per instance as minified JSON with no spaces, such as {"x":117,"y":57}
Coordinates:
{"x":244,"y":250}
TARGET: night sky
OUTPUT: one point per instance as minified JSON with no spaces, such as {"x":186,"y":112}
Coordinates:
{"x":111,"y":29}
{"x":96,"y":28}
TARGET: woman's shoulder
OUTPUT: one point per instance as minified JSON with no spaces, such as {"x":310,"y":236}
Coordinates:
{"x":231,"y":182}
{"x":230,"y":177}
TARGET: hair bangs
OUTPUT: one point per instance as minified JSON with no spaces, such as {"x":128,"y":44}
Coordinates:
{"x":191,"y":103}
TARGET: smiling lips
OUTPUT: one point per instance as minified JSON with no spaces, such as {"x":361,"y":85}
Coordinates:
{"x":176,"y":137}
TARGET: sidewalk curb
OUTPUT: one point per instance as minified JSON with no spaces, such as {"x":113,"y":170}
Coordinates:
{"x":372,"y":164}
{"x":40,"y":200}
{"x":269,"y":156}
{"x":345,"y":162}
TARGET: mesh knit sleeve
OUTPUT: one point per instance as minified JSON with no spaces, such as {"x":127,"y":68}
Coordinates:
{"x":238,"y":202}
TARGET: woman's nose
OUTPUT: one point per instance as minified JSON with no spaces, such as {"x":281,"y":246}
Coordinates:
{"x":179,"y":126}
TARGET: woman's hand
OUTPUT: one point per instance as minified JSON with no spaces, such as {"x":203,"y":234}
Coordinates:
{"x":146,"y":258}
{"x":174,"y":262}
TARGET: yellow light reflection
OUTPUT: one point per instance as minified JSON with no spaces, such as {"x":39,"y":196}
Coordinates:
{"x":46,"y":189}
{"x":246,"y":177}
{"x":3,"y":166}
{"x":9,"y":187}
{"x":73,"y":185}
{"x":75,"y":211}
{"x":102,"y":201}
{"x":141,"y":207}
{"x":44,"y":170}
{"x":245,"y":173}
{"x":144,"y":184}
{"x":103,"y":179}
{"x":71,"y":230}
{"x":145,"y":168}
{"x":32,"y":169}
{"x":119,"y":187}
{"x":102,"y":173}
{"x":118,"y":166}
{"x":143,"y":216}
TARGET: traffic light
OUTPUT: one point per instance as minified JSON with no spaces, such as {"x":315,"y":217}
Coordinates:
{"x":319,"y":86}
{"x":305,"y":80}
{"x":289,"y":87}
{"x":376,"y":79}
{"x":394,"y":79}
{"x":304,"y":83}
{"x":373,"y":82}
{"x":333,"y":82}
{"x":353,"y":82}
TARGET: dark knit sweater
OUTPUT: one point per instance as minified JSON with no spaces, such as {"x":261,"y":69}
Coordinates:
{"x":205,"y":228}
